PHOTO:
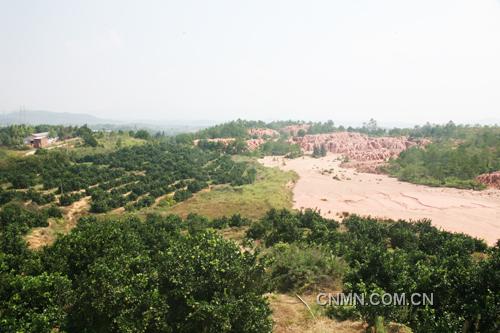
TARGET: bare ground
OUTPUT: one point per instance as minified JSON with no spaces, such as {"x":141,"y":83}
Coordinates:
{"x":325,"y":185}
{"x":290,"y":315}
{"x":39,"y":237}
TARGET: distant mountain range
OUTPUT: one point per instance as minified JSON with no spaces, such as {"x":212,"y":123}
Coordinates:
{"x":168,"y":126}
{"x":51,"y":118}
{"x":79,"y":119}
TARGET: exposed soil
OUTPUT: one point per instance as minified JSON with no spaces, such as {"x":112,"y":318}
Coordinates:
{"x":360,"y":151}
{"x":294,"y":129}
{"x":491,"y":180}
{"x":290,"y":315}
{"x":359,"y":146}
{"x":39,"y":237}
{"x":325,"y":185}
{"x":262,"y":132}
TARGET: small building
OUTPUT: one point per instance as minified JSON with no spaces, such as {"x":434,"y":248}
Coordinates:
{"x":38,"y":140}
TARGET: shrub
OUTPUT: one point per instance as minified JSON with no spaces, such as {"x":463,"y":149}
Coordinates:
{"x":220,"y":222}
{"x":54,"y":211}
{"x":257,"y":230}
{"x":343,"y":312}
{"x":238,"y":221}
{"x":182,"y":195}
{"x":68,"y":198}
{"x":196,"y":223}
{"x":296,"y":267}
{"x":130,"y":276}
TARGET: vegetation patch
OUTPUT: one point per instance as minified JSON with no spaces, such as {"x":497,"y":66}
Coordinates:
{"x":270,"y":190}
{"x":131,"y":177}
{"x":126,"y":275}
{"x":461,"y":272}
{"x":301,"y":267}
{"x":454,"y":160}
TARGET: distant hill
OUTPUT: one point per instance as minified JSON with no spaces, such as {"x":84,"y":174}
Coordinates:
{"x":77,"y":119}
{"x":51,"y":118}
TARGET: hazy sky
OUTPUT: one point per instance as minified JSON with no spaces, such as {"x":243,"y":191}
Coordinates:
{"x":407,"y":61}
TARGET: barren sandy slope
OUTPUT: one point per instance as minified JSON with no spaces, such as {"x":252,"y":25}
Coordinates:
{"x":323,"y":184}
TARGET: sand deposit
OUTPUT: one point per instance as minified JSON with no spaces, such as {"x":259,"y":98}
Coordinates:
{"x":325,"y":185}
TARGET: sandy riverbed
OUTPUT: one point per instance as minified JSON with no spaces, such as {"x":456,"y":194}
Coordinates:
{"x":323,"y":184}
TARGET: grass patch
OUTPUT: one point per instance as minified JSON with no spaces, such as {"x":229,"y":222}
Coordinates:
{"x":271,"y":189}
{"x":9,"y":153}
{"x":107,"y":142}
{"x":236,"y":234}
{"x":291,"y":315}
{"x":300,"y":267}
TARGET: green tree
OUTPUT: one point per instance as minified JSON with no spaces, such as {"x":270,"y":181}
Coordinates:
{"x":142,"y":134}
{"x":33,"y":303}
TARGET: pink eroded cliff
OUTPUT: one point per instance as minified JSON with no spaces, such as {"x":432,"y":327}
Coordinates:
{"x":490,"y":179}
{"x":357,"y":146}
{"x":225,"y":141}
{"x":260,"y":132}
{"x":253,"y":144}
{"x":294,"y":129}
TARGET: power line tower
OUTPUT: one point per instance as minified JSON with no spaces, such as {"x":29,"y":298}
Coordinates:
{"x":23,"y":115}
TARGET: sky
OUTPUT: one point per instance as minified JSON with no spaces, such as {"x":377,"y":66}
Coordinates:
{"x":392,"y":60}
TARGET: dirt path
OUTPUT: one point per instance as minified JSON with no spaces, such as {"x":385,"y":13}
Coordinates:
{"x":39,"y":237}
{"x":76,"y":210}
{"x":323,"y":184}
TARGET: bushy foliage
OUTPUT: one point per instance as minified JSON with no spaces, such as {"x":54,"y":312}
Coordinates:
{"x":233,"y":129}
{"x":182,"y":195}
{"x":444,"y":267}
{"x":298,"y":267}
{"x":280,"y":147}
{"x":69,"y":198}
{"x":33,"y":303}
{"x":234,"y":221}
{"x":286,"y":226}
{"x":13,"y":136}
{"x":133,"y":276}
{"x":38,"y":198}
{"x":142,"y":134}
{"x":322,"y":127}
{"x":131,"y":176}
{"x":88,"y":136}
{"x":53,"y":211}
{"x":448,"y":131}
{"x":126,"y":275}
{"x":392,"y":257}
{"x":319,"y":151}
{"x":446,"y":163}
{"x":237,"y":146}
{"x":15,"y":215}
{"x":196,"y":186}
